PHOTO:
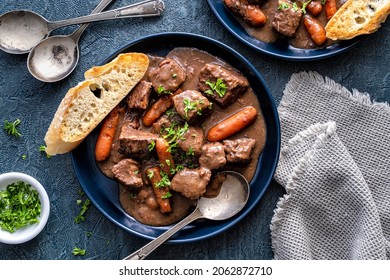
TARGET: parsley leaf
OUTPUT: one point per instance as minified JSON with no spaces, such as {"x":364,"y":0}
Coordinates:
{"x":81,"y":216}
{"x":304,"y":5}
{"x":161,"y":90}
{"x":42,"y":148}
{"x":12,"y":128}
{"x":219,"y":87}
{"x":78,"y":252}
{"x":283,"y":6}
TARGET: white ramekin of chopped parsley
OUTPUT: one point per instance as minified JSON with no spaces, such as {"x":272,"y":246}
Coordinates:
{"x":24,"y":208}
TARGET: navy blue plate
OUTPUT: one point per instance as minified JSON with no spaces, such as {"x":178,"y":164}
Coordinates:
{"x":280,"y":49}
{"x":103,"y":191}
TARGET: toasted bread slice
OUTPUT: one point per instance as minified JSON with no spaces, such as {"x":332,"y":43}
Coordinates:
{"x":357,"y":17}
{"x":85,"y":105}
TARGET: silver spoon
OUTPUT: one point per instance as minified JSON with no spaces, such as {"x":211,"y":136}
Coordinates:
{"x":54,"y":58}
{"x":232,"y":198}
{"x":21,"y":30}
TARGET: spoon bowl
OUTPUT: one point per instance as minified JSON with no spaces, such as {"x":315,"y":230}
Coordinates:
{"x":231,"y":199}
{"x":21,"y":30}
{"x":53,"y":59}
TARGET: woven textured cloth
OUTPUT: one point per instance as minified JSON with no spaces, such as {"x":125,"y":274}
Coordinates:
{"x":335,"y":167}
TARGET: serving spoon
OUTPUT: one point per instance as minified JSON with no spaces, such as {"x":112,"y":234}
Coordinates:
{"x":231,"y":199}
{"x":54,"y":58}
{"x":21,"y":30}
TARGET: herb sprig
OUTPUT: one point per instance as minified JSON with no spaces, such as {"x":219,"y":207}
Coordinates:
{"x":78,"y":252}
{"x":219,"y":87}
{"x":12,"y":128}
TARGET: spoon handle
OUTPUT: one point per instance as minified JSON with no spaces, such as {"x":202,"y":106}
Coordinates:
{"x":151,"y":246}
{"x":146,"y":8}
{"x":100,"y":7}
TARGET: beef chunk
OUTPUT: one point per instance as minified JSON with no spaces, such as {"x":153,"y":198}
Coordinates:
{"x":239,"y":150}
{"x":135,"y":142}
{"x":191,"y":183}
{"x":131,"y":119}
{"x":139,"y":96}
{"x":192,"y":140}
{"x":213,"y":156}
{"x":162,"y":123}
{"x":127,"y":172}
{"x":191,"y":105}
{"x":228,"y":83}
{"x":287,"y":17}
{"x":168,"y":76}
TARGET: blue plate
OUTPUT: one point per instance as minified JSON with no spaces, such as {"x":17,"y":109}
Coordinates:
{"x":103,"y":191}
{"x":280,"y":49}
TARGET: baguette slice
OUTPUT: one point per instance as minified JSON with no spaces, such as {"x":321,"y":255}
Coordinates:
{"x":357,"y":17}
{"x":85,"y":105}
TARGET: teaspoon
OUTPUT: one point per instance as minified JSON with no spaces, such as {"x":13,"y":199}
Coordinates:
{"x":231,"y":199}
{"x":21,"y":30}
{"x":54,"y":58}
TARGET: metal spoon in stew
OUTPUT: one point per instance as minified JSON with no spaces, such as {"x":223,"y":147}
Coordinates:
{"x":231,"y":199}
{"x":21,"y":30}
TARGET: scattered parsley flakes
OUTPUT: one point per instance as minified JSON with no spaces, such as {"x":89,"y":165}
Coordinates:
{"x":151,"y":145}
{"x":161,"y":90}
{"x":219,"y":87}
{"x":78,"y":252}
{"x":81,"y":216}
{"x":168,"y":194}
{"x":19,"y":206}
{"x":164,"y":182}
{"x":42,"y":148}
{"x":12,"y":128}
{"x":24,"y":156}
{"x":283,"y":6}
{"x":174,"y":133}
{"x":304,"y":5}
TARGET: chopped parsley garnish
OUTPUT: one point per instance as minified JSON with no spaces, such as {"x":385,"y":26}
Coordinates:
{"x":283,"y":6}
{"x":42,"y":148}
{"x":161,"y":90}
{"x":151,"y":145}
{"x":192,"y":106}
{"x":81,"y":216}
{"x":323,"y":2}
{"x":174,"y":75}
{"x":174,"y":133}
{"x":304,"y":5}
{"x":24,"y":156}
{"x":78,"y":252}
{"x":150,"y":174}
{"x":19,"y":206}
{"x":190,"y":152}
{"x":219,"y":87}
{"x":164,"y":182}
{"x":168,"y":194}
{"x":12,"y":128}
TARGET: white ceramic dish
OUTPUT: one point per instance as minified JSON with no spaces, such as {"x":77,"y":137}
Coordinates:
{"x":29,"y":232}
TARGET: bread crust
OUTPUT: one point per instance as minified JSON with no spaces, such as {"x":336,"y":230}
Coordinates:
{"x":357,"y":17}
{"x":88,"y":103}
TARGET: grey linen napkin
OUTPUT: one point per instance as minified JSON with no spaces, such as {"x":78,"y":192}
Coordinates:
{"x":335,"y":167}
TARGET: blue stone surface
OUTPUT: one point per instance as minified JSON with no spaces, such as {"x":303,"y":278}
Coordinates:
{"x":364,"y":67}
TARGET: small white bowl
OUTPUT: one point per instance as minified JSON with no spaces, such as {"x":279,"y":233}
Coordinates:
{"x":29,"y":232}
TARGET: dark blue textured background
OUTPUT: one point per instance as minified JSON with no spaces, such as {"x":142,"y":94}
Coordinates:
{"x":365,"y":67}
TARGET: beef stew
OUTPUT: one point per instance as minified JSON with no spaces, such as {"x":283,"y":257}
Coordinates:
{"x":165,"y":146}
